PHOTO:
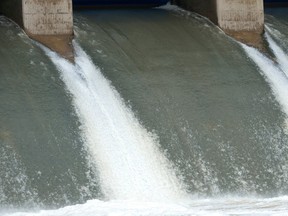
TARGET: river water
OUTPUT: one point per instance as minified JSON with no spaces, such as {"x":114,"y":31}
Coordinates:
{"x":162,"y":114}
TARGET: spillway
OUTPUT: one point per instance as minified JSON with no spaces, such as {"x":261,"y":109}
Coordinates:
{"x":162,"y":114}
{"x":275,"y":73}
{"x":126,"y":155}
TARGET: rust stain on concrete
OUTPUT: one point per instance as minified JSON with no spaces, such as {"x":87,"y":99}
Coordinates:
{"x":250,"y":38}
{"x":62,"y":44}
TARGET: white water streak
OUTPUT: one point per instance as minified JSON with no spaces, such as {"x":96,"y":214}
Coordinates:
{"x":127,"y":157}
{"x":280,"y":54}
{"x":273,"y":75}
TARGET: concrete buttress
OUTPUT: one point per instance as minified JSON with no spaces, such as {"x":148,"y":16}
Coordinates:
{"x":49,"y":22}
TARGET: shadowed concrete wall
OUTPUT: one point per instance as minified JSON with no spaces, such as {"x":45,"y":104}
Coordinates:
{"x":12,"y":9}
{"x":206,"y":8}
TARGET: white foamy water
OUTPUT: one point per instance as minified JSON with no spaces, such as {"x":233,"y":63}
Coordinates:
{"x":131,"y":167}
{"x":126,"y":155}
{"x":202,"y":207}
{"x":280,"y":54}
{"x":272,"y":72}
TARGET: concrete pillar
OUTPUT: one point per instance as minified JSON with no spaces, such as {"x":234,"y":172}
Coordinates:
{"x":241,"y":19}
{"x":47,"y":21}
{"x":241,"y":15}
{"x":47,"y":17}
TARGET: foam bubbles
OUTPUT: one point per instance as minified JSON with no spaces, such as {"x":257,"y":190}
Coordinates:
{"x":126,"y":155}
{"x":202,"y":207}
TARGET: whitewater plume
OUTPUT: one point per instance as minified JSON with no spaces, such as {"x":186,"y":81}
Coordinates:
{"x":280,"y":54}
{"x":274,"y":72}
{"x":126,"y":155}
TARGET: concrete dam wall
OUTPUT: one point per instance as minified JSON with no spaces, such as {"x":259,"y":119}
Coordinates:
{"x":51,"y":21}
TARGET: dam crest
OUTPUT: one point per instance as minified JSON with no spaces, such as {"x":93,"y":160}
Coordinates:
{"x":50,"y":22}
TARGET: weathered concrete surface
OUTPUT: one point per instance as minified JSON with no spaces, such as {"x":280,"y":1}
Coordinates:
{"x":241,"y":19}
{"x":47,"y":21}
{"x":241,"y":15}
{"x":48,"y":17}
{"x":51,"y":23}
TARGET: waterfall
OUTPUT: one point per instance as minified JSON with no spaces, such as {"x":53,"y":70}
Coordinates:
{"x":127,"y":156}
{"x":275,"y":73}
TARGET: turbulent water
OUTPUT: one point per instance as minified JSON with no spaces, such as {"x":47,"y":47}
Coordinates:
{"x":126,"y":155}
{"x":162,"y":114}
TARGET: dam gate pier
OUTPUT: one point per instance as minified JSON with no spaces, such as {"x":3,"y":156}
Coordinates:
{"x":50,"y":22}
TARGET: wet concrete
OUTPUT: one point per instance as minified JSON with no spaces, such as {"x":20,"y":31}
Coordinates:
{"x":62,"y":44}
{"x":254,"y":39}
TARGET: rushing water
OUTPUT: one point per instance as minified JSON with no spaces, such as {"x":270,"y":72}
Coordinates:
{"x":126,"y":155}
{"x":162,"y":114}
{"x":42,"y":157}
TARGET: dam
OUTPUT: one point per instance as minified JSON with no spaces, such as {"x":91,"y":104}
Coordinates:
{"x":51,"y":22}
{"x":160,"y":113}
